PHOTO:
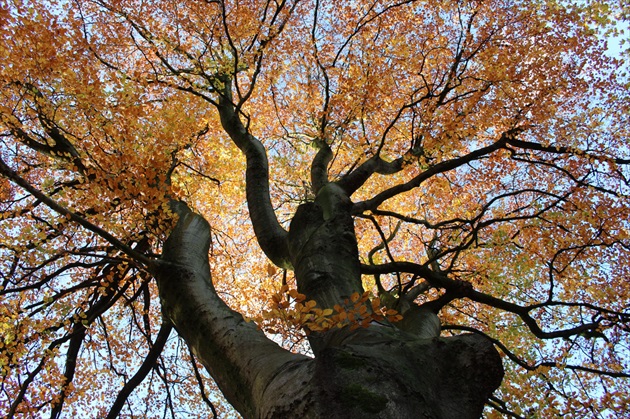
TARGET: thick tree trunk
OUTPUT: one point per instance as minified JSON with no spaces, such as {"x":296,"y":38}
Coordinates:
{"x":382,"y":372}
{"x":377,"y":372}
{"x":323,"y":250}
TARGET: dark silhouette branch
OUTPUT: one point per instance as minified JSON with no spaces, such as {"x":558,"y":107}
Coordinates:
{"x":545,"y":364}
{"x":445,"y":166}
{"x":499,"y":406}
{"x":145,"y":368}
{"x":462,"y":289}
{"x":202,"y":390}
{"x":528,"y":145}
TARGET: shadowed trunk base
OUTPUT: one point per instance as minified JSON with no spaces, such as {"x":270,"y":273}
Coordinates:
{"x":381,"y":372}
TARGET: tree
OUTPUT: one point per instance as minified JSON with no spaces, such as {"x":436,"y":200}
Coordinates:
{"x":438,"y":193}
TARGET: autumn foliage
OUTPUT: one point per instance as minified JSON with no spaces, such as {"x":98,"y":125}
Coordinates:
{"x":483,"y":144}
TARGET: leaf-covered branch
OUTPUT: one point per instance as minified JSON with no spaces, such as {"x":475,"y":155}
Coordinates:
{"x":15,"y":177}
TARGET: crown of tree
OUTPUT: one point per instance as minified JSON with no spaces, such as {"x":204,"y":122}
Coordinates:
{"x":361,"y":209}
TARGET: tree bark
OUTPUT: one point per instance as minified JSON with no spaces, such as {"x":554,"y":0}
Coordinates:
{"x":243,"y":362}
{"x":377,"y":372}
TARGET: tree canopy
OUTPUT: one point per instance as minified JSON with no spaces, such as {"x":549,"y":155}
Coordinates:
{"x":479,"y":148}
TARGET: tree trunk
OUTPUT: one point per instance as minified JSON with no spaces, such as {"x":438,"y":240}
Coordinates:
{"x":377,"y":372}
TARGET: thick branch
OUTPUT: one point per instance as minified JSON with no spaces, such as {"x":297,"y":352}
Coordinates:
{"x":239,"y":357}
{"x":355,"y":179}
{"x":271,"y":236}
{"x":319,"y":167}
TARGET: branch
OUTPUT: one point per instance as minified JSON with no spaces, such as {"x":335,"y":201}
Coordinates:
{"x":236,"y":353}
{"x":385,"y":245}
{"x":271,"y":236}
{"x":352,"y":181}
{"x":61,"y":147}
{"x":78,"y":334}
{"x":199,"y":379}
{"x":16,"y":178}
{"x":528,"y":145}
{"x":523,"y":364}
{"x":499,"y":406}
{"x":445,"y":166}
{"x":462,"y":289}
{"x":319,"y":167}
{"x":31,"y":376}
{"x":145,"y":368}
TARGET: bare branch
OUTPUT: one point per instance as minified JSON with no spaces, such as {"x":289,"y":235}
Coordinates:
{"x":145,"y":368}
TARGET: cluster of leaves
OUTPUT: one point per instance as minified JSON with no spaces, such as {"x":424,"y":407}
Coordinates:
{"x":289,"y":309}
